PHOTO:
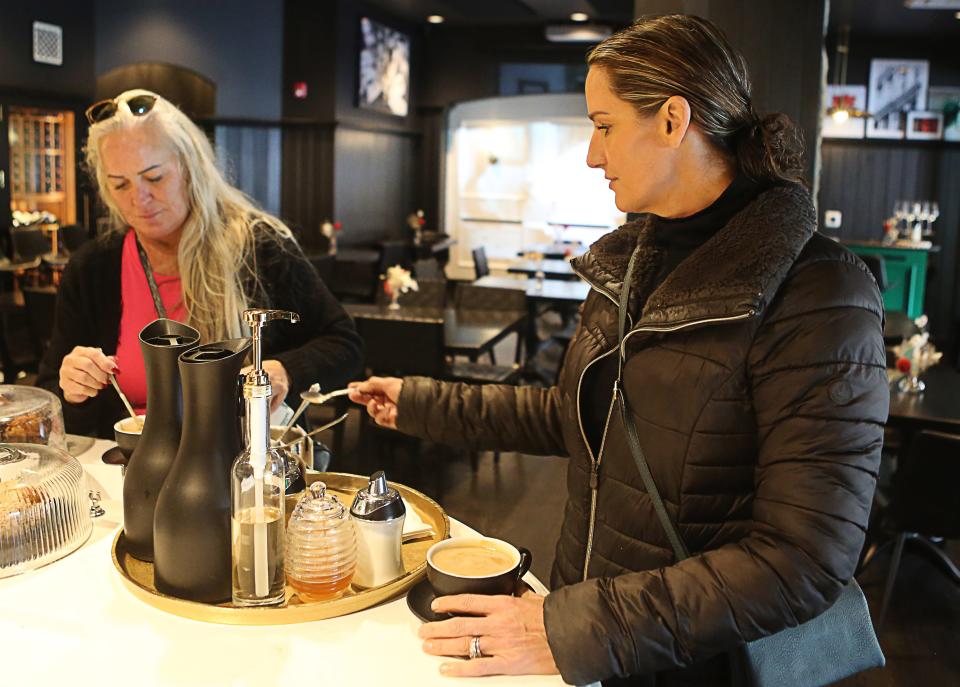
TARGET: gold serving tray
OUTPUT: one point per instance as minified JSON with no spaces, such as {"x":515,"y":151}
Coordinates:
{"x":137,"y":575}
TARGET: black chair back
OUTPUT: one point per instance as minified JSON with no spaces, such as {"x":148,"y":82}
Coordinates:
{"x":395,"y":253}
{"x":403,"y":347}
{"x":323,"y":264}
{"x":73,"y":236}
{"x":471,"y":297}
{"x":480,"y":266}
{"x":40,"y":304}
{"x":878,"y":267}
{"x":29,"y":243}
{"x":428,"y":268}
{"x":925,"y":486}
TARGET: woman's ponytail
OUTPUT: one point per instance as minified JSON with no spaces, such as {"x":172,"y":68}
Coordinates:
{"x":770,"y":149}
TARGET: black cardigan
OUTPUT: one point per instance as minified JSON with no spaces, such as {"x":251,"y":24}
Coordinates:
{"x":324,"y":347}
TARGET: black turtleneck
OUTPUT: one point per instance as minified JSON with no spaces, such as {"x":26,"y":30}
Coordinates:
{"x":675,"y":240}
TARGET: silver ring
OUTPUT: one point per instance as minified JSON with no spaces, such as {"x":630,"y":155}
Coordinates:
{"x":475,"y":648}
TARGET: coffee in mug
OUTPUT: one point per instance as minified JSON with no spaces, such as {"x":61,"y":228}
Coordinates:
{"x":469,"y":565}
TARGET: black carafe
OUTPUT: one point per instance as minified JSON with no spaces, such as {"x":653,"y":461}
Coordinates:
{"x":162,"y":341}
{"x":191,"y":528}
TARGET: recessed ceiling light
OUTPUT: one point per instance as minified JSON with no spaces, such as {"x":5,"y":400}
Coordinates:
{"x":579,"y":16}
{"x":435,"y":19}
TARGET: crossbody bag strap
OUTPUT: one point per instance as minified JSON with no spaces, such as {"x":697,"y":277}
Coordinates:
{"x":151,"y":281}
{"x":633,"y":439}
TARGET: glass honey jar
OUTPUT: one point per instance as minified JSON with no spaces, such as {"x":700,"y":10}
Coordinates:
{"x":321,"y":547}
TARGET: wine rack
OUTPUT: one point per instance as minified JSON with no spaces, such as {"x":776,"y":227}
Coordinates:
{"x":42,"y":166}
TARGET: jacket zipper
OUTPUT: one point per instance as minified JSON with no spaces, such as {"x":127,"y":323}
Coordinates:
{"x":595,"y":462}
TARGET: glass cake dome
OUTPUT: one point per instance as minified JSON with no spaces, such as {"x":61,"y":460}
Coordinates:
{"x":44,"y":509}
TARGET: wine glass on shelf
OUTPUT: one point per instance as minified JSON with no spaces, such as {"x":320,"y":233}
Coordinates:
{"x":932,"y":217}
{"x":900,"y":210}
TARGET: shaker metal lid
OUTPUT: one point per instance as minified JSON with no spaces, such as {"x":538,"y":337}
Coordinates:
{"x":378,"y":501}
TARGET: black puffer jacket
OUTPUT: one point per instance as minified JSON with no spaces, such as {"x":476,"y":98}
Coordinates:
{"x":756,"y":377}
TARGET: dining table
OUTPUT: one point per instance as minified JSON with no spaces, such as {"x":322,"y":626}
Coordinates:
{"x":936,"y":408}
{"x":558,"y":250}
{"x":467,"y":332}
{"x":74,"y":622}
{"x":541,"y":293}
{"x":550,"y":269}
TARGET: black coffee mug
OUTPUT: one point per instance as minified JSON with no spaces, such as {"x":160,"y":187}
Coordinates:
{"x":126,"y":440}
{"x":445,"y":583}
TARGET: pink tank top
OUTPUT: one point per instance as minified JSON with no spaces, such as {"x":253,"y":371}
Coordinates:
{"x":136,"y":312}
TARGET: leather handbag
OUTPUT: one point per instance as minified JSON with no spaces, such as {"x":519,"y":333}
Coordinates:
{"x":838,"y":643}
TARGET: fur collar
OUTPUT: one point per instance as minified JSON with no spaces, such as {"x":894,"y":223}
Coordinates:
{"x":738,"y":269}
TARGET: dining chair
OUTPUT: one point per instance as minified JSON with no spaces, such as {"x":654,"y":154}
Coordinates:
{"x":73,"y":236}
{"x":924,"y":504}
{"x":480,"y":266}
{"x":428,"y":268}
{"x":470,"y":297}
{"x":878,"y":267}
{"x":40,"y":304}
{"x":404,"y":347}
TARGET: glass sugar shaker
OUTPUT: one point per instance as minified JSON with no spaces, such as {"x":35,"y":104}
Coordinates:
{"x":321,"y":551}
{"x":378,"y":512}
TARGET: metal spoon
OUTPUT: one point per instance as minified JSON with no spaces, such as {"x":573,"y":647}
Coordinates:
{"x":315,"y":431}
{"x":126,"y":402}
{"x":315,"y":396}
{"x":314,"y":388}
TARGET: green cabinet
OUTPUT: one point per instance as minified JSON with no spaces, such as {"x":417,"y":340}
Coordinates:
{"x":906,"y":275}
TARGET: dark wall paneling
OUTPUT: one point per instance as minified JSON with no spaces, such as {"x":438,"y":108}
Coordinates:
{"x":374,"y":184}
{"x":18,"y":71}
{"x":306,"y":197}
{"x":863,"y":179}
{"x":251,"y":156}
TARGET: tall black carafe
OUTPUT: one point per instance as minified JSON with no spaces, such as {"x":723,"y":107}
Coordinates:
{"x":191,"y":528}
{"x":162,"y":341}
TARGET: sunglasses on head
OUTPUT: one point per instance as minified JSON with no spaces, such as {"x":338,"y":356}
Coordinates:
{"x":139,"y":105}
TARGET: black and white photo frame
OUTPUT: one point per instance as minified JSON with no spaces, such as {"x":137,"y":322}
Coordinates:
{"x":896,"y":88}
{"x":384,"y":69}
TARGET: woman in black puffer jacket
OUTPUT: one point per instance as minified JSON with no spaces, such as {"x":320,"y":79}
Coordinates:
{"x":753,"y":367}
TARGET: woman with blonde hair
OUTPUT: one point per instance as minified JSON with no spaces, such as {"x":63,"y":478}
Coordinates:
{"x":186,"y":245}
{"x":728,"y":355}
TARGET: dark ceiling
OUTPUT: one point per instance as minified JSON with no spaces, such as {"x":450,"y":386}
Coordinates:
{"x":865,"y":17}
{"x":509,"y":12}
{"x":891,"y":18}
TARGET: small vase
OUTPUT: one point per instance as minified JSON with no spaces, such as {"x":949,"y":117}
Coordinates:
{"x":911,"y":384}
{"x":394,"y":300}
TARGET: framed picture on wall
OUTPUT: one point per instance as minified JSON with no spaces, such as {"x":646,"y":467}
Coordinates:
{"x":924,"y":126}
{"x":384,"y":69}
{"x":896,"y":87}
{"x":848,"y":98}
{"x":946,"y":101}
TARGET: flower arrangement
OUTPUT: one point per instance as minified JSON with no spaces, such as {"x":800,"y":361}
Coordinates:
{"x":396,"y":282}
{"x":914,"y":355}
{"x":331,"y":230}
{"x":416,"y":221}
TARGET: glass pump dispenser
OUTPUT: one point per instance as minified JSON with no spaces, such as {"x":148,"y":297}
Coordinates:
{"x":258,"y":485}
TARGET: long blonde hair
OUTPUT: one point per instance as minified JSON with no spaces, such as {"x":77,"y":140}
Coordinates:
{"x":217,"y":242}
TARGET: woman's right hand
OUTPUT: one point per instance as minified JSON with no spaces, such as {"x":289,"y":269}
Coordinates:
{"x":379,"y":395}
{"x":84,"y":372}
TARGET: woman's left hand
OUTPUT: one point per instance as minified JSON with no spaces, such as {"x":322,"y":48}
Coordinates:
{"x":278,"y":380}
{"x":513,"y":639}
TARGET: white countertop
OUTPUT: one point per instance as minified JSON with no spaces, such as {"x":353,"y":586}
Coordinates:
{"x":73,"y":623}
